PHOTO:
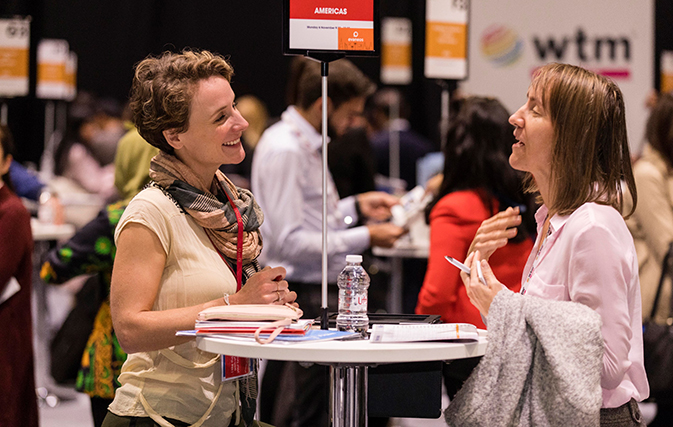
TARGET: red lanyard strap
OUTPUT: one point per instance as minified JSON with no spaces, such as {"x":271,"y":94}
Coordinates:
{"x":239,"y":243}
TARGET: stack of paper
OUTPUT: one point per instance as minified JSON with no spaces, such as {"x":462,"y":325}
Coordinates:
{"x":311,"y":335}
{"x":210,"y":327}
{"x":410,"y":206}
{"x":424,"y":332}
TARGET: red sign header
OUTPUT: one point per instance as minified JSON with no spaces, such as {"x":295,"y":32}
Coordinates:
{"x":341,"y":10}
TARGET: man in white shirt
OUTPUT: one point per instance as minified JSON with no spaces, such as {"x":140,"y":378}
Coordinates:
{"x":287,"y":183}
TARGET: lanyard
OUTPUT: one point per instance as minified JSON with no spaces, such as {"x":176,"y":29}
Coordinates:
{"x":535,"y":261}
{"x":239,"y":244}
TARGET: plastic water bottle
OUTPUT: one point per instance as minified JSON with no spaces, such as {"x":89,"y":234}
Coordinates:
{"x":353,"y":284}
{"x":45,"y":210}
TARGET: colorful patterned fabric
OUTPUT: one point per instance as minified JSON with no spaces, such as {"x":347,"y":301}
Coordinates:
{"x":132,"y":164}
{"x":92,"y":250}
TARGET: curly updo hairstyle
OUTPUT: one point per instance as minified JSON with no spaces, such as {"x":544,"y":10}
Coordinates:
{"x":163,"y":88}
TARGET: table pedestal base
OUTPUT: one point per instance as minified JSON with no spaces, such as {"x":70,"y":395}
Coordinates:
{"x":348,"y":395}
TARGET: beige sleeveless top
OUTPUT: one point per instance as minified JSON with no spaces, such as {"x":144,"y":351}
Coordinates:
{"x":180,"y":382}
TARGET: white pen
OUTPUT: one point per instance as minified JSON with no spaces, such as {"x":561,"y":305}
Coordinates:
{"x":466,"y":269}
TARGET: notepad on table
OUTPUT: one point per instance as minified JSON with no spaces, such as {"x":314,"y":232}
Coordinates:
{"x":298,"y":327}
{"x":424,"y":332}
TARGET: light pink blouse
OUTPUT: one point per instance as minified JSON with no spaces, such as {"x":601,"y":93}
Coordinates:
{"x":589,"y":257}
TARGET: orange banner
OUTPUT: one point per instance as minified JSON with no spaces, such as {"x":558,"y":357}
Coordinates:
{"x":71,"y":78}
{"x":396,"y":55}
{"x":51,"y":73}
{"x":446,"y":40}
{"x":356,"y":39}
{"x":666,"y":82}
{"x":13,"y":62}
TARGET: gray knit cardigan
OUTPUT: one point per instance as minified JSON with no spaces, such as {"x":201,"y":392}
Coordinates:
{"x":542,"y":367}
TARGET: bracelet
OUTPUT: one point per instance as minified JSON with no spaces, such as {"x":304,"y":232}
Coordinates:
{"x":226,"y":299}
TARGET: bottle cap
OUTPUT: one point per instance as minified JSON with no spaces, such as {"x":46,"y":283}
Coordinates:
{"x":353,"y":258}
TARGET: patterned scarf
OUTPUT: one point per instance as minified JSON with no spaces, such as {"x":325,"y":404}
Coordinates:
{"x":210,"y":207}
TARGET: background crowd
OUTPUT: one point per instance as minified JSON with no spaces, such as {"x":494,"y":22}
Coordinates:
{"x":111,"y":152}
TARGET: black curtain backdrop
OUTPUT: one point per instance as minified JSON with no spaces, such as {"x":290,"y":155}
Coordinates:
{"x":110,"y":36}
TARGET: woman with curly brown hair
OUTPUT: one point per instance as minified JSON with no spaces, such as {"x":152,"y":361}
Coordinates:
{"x":187,"y":242}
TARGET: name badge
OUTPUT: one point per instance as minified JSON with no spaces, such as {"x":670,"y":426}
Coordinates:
{"x":234,"y":367}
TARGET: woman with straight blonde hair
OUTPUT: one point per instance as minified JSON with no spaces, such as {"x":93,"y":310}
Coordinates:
{"x":571,"y":140}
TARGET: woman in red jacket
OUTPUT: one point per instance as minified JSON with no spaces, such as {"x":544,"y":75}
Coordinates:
{"x":478,"y":183}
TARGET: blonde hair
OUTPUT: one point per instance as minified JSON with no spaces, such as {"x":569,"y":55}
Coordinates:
{"x":590,"y":151}
{"x":163,"y":88}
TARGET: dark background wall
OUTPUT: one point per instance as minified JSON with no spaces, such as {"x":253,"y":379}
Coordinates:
{"x":110,"y":36}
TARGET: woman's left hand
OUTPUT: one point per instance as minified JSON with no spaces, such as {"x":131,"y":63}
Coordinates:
{"x":265,"y":287}
{"x":481,"y":296}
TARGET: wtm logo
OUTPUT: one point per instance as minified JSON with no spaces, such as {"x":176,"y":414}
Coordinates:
{"x":501,"y":45}
{"x":588,"y":50}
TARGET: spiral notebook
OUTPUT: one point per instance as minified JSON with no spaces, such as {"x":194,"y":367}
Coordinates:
{"x":424,"y":332}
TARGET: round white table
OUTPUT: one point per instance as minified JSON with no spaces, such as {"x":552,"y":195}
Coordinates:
{"x":42,"y":231}
{"x":43,"y":236}
{"x":348,"y":361}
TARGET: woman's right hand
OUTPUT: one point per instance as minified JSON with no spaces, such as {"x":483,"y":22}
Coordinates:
{"x":481,"y":294}
{"x":495,"y":232}
{"x":265,"y":287}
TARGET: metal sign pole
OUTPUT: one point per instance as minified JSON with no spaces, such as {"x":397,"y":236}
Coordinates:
{"x":3,"y":113}
{"x":444,"y":120}
{"x":47,"y":163}
{"x":325,"y":59}
{"x":394,"y":140}
{"x":324,"y":323}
